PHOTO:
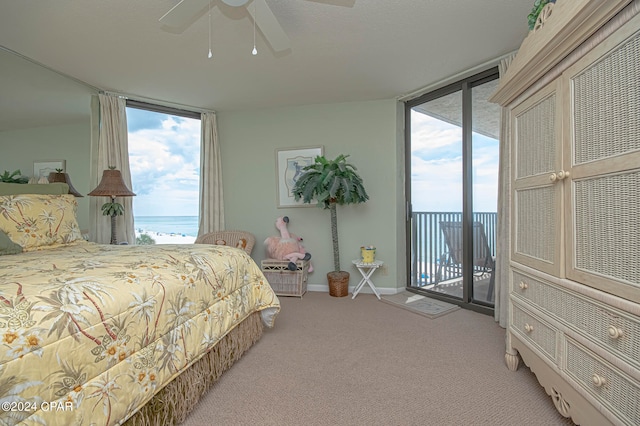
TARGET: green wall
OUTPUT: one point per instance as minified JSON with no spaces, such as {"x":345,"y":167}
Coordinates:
{"x":70,"y":142}
{"x":369,"y":132}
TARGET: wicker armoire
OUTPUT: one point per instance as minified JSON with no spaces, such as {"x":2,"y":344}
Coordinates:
{"x":573,"y":98}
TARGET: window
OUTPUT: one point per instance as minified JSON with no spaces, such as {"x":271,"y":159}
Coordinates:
{"x":164,"y":158}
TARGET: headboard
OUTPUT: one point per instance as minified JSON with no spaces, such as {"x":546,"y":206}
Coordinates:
{"x":57,"y":188}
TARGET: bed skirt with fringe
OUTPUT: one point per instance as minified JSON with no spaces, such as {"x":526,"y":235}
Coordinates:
{"x":172,"y":404}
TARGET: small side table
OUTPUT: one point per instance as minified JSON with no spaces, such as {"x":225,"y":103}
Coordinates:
{"x":366,"y":269}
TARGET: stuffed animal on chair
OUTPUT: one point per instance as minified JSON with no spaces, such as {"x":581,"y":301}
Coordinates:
{"x":287,"y":246}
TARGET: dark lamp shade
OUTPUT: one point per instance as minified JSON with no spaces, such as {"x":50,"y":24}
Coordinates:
{"x":64,"y":177}
{"x":111,"y":185}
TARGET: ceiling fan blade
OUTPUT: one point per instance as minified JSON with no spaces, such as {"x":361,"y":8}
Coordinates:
{"x":183,"y":13}
{"x":269,"y":25}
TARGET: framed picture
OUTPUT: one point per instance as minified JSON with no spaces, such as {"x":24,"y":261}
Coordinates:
{"x":289,"y":165}
{"x":44,"y":167}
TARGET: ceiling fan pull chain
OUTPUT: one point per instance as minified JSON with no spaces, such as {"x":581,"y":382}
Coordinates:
{"x":210,"y":54}
{"x":254,"y":52}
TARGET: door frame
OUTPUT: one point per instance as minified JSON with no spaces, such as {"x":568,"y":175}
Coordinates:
{"x":464,"y":85}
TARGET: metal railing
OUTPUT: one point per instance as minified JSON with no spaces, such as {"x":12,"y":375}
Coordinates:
{"x":428,"y":243}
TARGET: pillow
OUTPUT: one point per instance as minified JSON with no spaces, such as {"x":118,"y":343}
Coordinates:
{"x":39,"y":221}
{"x":7,"y":246}
{"x":33,"y":188}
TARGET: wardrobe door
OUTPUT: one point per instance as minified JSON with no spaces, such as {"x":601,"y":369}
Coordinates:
{"x":603,"y":139}
{"x":537,"y":220}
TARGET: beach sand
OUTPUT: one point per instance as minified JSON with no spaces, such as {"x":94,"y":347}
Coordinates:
{"x":162,"y":238}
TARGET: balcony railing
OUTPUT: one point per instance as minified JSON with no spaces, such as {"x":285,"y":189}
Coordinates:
{"x":428,"y":244}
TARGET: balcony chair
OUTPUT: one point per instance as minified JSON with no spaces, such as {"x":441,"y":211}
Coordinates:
{"x":239,"y":239}
{"x":451,"y":261}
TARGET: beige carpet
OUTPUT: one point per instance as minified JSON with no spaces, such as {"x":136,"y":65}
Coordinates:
{"x":421,"y":305}
{"x":338,"y":361}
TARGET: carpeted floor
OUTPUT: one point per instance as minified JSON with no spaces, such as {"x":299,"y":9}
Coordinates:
{"x":338,"y":361}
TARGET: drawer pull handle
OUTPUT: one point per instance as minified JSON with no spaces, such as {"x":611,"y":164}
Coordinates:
{"x":598,"y":381}
{"x":523,"y":285}
{"x":615,"y":332}
{"x":528,"y":328}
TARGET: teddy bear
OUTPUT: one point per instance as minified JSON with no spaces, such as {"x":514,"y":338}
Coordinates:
{"x":287,"y":246}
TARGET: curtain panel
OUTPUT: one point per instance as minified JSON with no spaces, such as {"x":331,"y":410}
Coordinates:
{"x":503,"y":238}
{"x":109,"y":147}
{"x":211,"y":217}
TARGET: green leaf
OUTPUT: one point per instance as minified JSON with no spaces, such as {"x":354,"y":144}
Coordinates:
{"x":538,"y":5}
{"x":14,"y":177}
{"x":112,"y":209}
{"x":327,"y":181}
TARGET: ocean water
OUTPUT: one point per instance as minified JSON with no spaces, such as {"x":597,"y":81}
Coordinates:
{"x":181,"y":225}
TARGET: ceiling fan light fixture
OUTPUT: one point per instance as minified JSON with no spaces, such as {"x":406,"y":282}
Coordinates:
{"x":178,"y":17}
{"x":235,"y":3}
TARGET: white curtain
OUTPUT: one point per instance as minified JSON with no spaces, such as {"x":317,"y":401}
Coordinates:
{"x":503,"y":239}
{"x":109,"y":147}
{"x":211,"y":199}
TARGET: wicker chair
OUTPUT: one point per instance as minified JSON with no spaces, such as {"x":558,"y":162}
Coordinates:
{"x":239,"y":239}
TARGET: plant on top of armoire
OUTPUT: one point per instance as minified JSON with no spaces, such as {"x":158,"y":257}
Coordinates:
{"x":331,"y":183}
{"x":538,"y":5}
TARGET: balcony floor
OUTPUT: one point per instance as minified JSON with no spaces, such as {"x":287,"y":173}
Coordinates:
{"x":453,"y":287}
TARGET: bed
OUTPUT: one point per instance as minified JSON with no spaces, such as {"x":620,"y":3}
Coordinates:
{"x":105,"y":334}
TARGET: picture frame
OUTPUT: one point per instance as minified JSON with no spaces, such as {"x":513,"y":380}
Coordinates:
{"x":42,"y":168}
{"x":289,"y":163}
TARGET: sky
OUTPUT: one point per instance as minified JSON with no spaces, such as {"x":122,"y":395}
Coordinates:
{"x":436,"y":167}
{"x":164,"y":157}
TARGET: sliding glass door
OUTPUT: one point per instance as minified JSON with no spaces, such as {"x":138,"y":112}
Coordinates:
{"x":452,"y":176}
{"x":436,"y":191}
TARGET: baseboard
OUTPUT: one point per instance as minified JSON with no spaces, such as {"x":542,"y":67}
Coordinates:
{"x":324,"y":288}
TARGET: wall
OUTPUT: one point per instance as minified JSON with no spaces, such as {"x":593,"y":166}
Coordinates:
{"x":370,"y":132}
{"x":71,"y":142}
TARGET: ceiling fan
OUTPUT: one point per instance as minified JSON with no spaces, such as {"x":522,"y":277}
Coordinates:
{"x":186,"y":10}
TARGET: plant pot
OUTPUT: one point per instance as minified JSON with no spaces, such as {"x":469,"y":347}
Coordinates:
{"x":338,"y":283}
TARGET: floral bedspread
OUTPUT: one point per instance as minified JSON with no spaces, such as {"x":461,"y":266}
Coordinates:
{"x":88,"y":332}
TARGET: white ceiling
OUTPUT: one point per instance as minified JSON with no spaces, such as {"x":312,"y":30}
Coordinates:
{"x":342,"y":50}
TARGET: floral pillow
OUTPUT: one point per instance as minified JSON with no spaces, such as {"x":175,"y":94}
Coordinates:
{"x":38,"y":221}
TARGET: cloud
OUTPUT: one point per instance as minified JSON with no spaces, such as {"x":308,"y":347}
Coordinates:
{"x":142,"y":119}
{"x":436,"y":167}
{"x":429,"y":134}
{"x":436,"y":185}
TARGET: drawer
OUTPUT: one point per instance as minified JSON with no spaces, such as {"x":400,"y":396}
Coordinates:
{"x":617,"y":331}
{"x":611,"y":387}
{"x":535,"y":331}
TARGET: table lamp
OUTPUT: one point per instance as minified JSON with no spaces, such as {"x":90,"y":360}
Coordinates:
{"x":112,"y":186}
{"x":60,"y":176}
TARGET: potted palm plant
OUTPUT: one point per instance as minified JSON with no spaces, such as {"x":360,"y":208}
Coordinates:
{"x":331,"y":183}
